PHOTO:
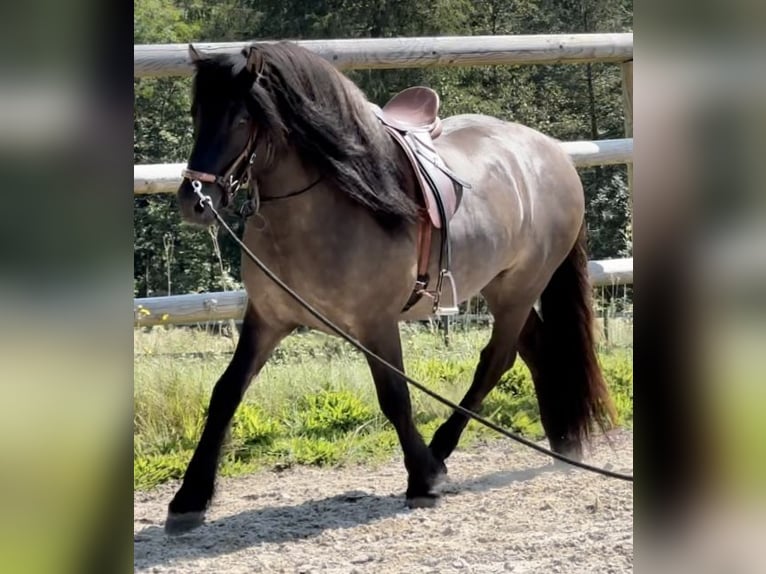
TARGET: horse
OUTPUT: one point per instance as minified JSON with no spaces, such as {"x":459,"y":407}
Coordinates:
{"x":338,"y":217}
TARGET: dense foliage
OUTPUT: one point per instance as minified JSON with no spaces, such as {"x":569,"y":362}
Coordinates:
{"x":568,"y":102}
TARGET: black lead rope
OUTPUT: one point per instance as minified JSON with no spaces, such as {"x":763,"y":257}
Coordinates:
{"x":206,"y":200}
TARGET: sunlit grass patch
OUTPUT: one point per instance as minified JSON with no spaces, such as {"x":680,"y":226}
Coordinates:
{"x":315,"y":403}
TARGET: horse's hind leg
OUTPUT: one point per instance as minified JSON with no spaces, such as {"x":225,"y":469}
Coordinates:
{"x":531,"y":350}
{"x":187,"y":509}
{"x":424,"y":471}
{"x":559,"y":350}
{"x":496,"y":358}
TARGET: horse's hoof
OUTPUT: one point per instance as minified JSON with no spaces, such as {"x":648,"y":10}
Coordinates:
{"x":176,"y":524}
{"x":568,"y":448}
{"x":573,"y":454}
{"x":439,"y":478}
{"x":425,"y":501}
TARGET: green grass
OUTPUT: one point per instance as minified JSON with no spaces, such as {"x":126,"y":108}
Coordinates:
{"x":314,"y":403}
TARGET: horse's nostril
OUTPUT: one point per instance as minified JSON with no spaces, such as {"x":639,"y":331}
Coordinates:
{"x":198,"y":207}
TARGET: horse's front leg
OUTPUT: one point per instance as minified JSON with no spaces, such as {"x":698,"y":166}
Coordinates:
{"x":257,"y":340}
{"x":424,"y":470}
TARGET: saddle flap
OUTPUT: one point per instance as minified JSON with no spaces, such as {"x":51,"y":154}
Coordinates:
{"x":447,"y":192}
{"x":430,"y":178}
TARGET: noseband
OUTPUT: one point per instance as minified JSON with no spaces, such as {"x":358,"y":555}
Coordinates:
{"x":235,"y":177}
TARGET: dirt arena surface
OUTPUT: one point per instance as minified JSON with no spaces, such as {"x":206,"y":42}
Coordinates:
{"x":504,"y":508}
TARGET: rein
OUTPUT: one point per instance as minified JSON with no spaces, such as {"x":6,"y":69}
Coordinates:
{"x":206,"y":200}
{"x":292,"y":193}
{"x":254,"y":200}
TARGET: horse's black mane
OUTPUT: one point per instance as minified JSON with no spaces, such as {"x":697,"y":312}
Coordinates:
{"x":302,"y":101}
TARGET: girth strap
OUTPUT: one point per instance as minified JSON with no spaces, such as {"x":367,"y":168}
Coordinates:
{"x":424,"y":253}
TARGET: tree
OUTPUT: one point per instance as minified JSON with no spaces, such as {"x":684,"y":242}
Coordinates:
{"x":162,"y":133}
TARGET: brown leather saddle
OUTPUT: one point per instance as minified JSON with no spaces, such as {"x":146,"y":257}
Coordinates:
{"x":411,"y":117}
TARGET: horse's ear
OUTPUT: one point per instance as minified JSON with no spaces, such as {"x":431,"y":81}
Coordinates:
{"x":194,"y":55}
{"x":254,"y":58}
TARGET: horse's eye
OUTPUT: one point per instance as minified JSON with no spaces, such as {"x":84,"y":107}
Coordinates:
{"x":242,"y":121}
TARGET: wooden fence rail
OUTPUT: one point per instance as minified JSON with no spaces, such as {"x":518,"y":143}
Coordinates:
{"x":222,"y":306}
{"x":153,"y":60}
{"x":166,"y":177}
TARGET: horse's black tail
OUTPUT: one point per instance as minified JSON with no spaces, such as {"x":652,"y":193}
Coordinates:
{"x":577,"y":395}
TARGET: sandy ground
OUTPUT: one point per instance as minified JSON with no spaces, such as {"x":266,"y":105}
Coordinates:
{"x":504,"y":508}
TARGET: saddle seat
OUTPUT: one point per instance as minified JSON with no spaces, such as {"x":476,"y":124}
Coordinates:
{"x":411,"y":117}
{"x":414,"y":108}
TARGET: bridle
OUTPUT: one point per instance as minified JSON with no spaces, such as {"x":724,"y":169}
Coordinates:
{"x":238,"y":175}
{"x":235,"y":177}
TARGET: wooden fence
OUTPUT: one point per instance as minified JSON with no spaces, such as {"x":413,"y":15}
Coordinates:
{"x":225,"y":305}
{"x":166,"y":177}
{"x":372,"y":53}
{"x":379,"y":53}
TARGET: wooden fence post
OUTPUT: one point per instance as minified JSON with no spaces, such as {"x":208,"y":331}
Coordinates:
{"x":627,"y":102}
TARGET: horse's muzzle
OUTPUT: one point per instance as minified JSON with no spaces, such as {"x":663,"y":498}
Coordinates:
{"x":191,"y":209}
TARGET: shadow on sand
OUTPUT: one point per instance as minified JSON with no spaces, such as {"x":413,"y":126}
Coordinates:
{"x":152,"y":547}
